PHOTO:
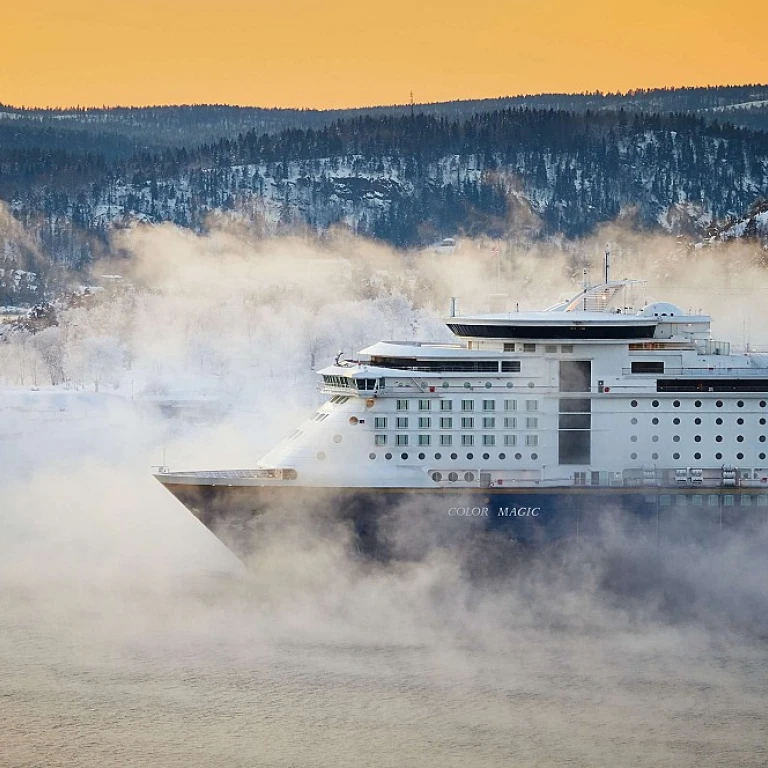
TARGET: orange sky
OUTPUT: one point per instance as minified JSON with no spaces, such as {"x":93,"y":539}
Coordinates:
{"x":358,"y":52}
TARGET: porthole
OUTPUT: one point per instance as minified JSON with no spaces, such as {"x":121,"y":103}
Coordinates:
{"x":531,"y":385}
{"x":719,"y":439}
{"x":762,"y":457}
{"x":467,"y":385}
{"x":502,"y":456}
{"x":718,"y":421}
{"x":518,"y":456}
{"x":634,"y":420}
{"x":654,"y":421}
{"x":437,"y":476}
{"x":454,"y":456}
{"x":739,"y":421}
{"x":739,"y":456}
{"x":534,"y":456}
{"x":675,"y":421}
{"x":438,"y":456}
{"x":697,"y":456}
{"x":633,"y":438}
{"x":632,"y":455}
{"x":445,"y":385}
{"x":404,"y":456}
{"x":654,"y":455}
{"x":486,"y":456}
{"x":719,"y":403}
{"x":762,"y":438}
{"x":676,"y":439}
{"x":634,"y":403}
{"x":655,"y":439}
{"x":320,"y":456}
{"x":353,"y":420}
{"x":487,"y":384}
{"x":697,"y":438}
{"x":676,"y":403}
{"x":469,"y":476}
{"x":509,"y":385}
{"x":698,"y":404}
{"x":422,"y":456}
{"x":740,"y":439}
{"x":371,"y":456}
{"x":718,"y":456}
{"x":337,"y":438}
{"x":762,"y":422}
{"x":655,"y":403}
{"x":740,"y":404}
{"x":453,"y":476}
{"x":387,"y":456}
{"x":675,"y":456}
{"x":762,"y":403}
{"x":697,"y":420}
{"x":470,"y":456}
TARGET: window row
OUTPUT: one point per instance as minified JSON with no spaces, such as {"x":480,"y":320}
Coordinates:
{"x":465,"y":440}
{"x":697,"y":456}
{"x":465,"y":422}
{"x":466,"y":405}
{"x":454,"y":456}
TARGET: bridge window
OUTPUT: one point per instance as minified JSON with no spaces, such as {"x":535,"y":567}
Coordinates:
{"x":510,"y":366}
{"x":647,"y":366}
{"x":509,"y":346}
{"x":529,"y":347}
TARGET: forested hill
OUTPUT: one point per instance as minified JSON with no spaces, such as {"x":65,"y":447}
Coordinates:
{"x":409,"y":179}
{"x":122,"y":131}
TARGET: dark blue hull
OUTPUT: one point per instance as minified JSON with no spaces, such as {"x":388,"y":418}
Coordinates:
{"x":400,"y":518}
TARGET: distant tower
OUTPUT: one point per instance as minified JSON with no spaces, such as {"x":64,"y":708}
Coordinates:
{"x":412,"y":103}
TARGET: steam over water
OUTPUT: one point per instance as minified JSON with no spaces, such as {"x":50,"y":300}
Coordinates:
{"x":129,"y":636}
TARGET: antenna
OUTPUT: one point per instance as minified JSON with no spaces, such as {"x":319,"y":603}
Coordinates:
{"x":607,"y":262}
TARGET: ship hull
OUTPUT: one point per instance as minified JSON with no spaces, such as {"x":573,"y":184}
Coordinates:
{"x":406,"y":521}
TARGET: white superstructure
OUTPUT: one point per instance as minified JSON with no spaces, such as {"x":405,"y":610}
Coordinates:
{"x":587,"y":393}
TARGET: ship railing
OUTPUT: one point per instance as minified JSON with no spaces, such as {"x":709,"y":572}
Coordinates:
{"x":234,"y":474}
{"x":741,"y":371}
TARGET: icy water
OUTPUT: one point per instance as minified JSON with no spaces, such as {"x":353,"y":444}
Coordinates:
{"x":128,"y":637}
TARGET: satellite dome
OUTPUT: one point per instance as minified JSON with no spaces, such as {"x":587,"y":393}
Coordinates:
{"x":661,"y":309}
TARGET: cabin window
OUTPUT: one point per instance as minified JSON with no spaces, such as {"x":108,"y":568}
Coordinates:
{"x":467,"y":422}
{"x":531,"y":405}
{"x":402,"y":422}
{"x":446,"y":439}
{"x":380,"y":440}
{"x":446,"y":422}
{"x":425,"y":422}
{"x":402,"y":405}
{"x":446,"y":405}
{"x":509,"y":346}
{"x":489,"y":422}
{"x":489,"y":405}
{"x":532,"y":422}
{"x":401,"y":439}
{"x":529,"y":347}
{"x":510,"y":422}
{"x":467,"y":440}
{"x":510,"y":366}
{"x":489,"y":439}
{"x":531,"y":440}
{"x":423,"y":439}
{"x":380,"y":422}
{"x":510,"y":405}
{"x":467,"y":405}
{"x":510,"y":439}
{"x":550,"y":349}
{"x":424,"y":405}
{"x":647,"y":366}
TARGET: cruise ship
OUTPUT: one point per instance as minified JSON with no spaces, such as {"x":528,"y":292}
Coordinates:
{"x":536,"y":425}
